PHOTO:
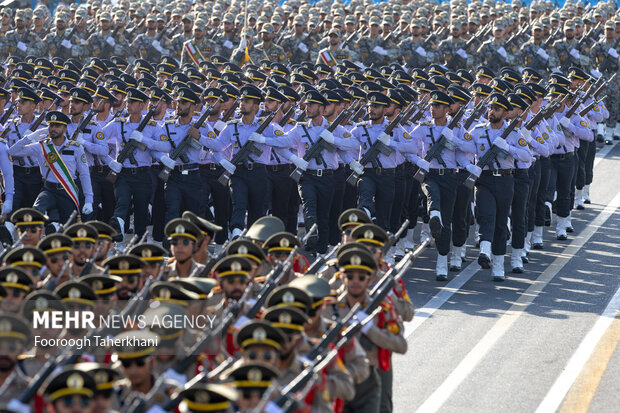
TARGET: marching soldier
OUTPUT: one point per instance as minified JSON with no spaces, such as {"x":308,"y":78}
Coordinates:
{"x":199,"y":48}
{"x":108,"y":40}
{"x":30,"y":223}
{"x":267,"y":49}
{"x":567,"y":51}
{"x":333,"y":54}
{"x":296,"y":44}
{"x":57,"y":250}
{"x":375,"y":49}
{"x":227,"y":39}
{"x":84,"y":238}
{"x":493,"y":53}
{"x":535,"y":55}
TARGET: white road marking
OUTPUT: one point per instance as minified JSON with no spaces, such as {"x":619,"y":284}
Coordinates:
{"x":443,"y":392}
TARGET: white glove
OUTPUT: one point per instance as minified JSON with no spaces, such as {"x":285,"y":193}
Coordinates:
{"x":219,"y":125}
{"x":228,"y":44}
{"x":575,"y":53}
{"x":37,"y":135}
{"x":384,"y":138}
{"x":7,"y":206}
{"x":257,"y":137}
{"x":230,"y":168}
{"x":303,"y":47}
{"x":136,"y":136}
{"x":474,"y":170}
{"x":155,"y":409}
{"x":66,"y":43}
{"x":157,"y":46}
{"x":243,"y":43}
{"x":462,"y":53}
{"x":240,"y":322}
{"x":18,"y":406}
{"x":420,"y":50}
{"x":380,"y":50}
{"x":361,"y":316}
{"x":299,"y":162}
{"x":527,"y":134}
{"x":424,"y":165}
{"x":595,"y":73}
{"x":116,"y":167}
{"x":540,"y":52}
{"x":502,"y":52}
{"x":167,"y":162}
{"x":327,"y":136}
{"x":447,"y":132}
{"x":171,"y":374}
{"x":80,"y":139}
{"x":110,"y":41}
{"x":613,"y":53}
{"x":501,"y":143}
{"x":22,"y":46}
{"x":565,"y":122}
{"x":356,"y":167}
{"x":87,"y":208}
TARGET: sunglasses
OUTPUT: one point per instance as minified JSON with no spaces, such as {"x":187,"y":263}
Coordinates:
{"x":184,"y":241}
{"x":248,"y":394}
{"x":68,"y":401}
{"x":106,"y":394}
{"x":140,"y":362}
{"x":32,"y":229}
{"x":266,"y":355}
{"x":280,"y":254}
{"x":9,"y":347}
{"x":56,"y":258}
{"x":130,"y":279}
{"x":153,"y":264}
{"x":361,"y":277}
{"x":78,"y":245}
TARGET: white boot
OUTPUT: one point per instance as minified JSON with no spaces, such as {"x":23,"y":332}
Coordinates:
{"x":579,"y":199}
{"x":442,"y":267}
{"x":515,"y":260}
{"x":408,"y":244}
{"x":477,"y":233}
{"x":455,"y":259}
{"x":399,"y":249}
{"x":548,"y":213}
{"x":484,"y":259}
{"x":236,"y":233}
{"x":509,"y":229}
{"x":600,"y":129}
{"x":435,"y":224}
{"x":609,"y":134}
{"x":528,"y":242}
{"x":586,"y":194}
{"x":463,"y":253}
{"x":560,"y":229}
{"x":617,"y":132}
{"x":425,"y":233}
{"x":537,"y":238}
{"x":498,"y":268}
{"x":569,"y":223}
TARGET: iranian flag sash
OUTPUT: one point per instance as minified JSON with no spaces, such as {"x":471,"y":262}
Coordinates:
{"x":194,"y":53}
{"x":60,"y":171}
{"x":329,"y":59}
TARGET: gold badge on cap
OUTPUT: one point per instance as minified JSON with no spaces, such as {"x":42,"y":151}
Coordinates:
{"x":235,"y":266}
{"x":165,"y":293}
{"x":82,"y":233}
{"x":40,"y":303}
{"x":147,"y":253}
{"x":288,"y":297}
{"x":12,"y":278}
{"x":243,"y":249}
{"x":123,"y":265}
{"x":101,"y":377}
{"x":97,"y":285}
{"x":368,"y":234}
{"x":54,"y":117}
{"x":201,"y":397}
{"x":5,"y":326}
{"x":28,"y":256}
{"x":353,"y":218}
{"x":356,"y":260}
{"x":27,"y":218}
{"x":259,"y":334}
{"x":74,"y":293}
{"x":285,"y":318}
{"x":255,"y":374}
{"x":56,"y":244}
{"x":284,"y":243}
{"x":180,"y":229}
{"x":75,"y":381}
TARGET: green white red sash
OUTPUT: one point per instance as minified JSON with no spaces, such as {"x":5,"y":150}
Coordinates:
{"x":328,"y":58}
{"x":194,"y":53}
{"x":61,"y":172}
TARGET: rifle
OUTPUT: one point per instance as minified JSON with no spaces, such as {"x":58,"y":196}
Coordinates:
{"x":106,"y":49}
{"x":493,"y":152}
{"x":394,"y":238}
{"x":207,"y":269}
{"x":588,"y":108}
{"x":540,"y":116}
{"x":377,"y":148}
{"x":85,"y":121}
{"x":248,"y":149}
{"x":598,"y":91}
{"x":229,"y":113}
{"x":180,"y":152}
{"x":287,"y":115}
{"x":476,"y":113}
{"x":551,"y":38}
{"x":35,"y":125}
{"x":132,"y":145}
{"x":580,"y":99}
{"x":319,"y":146}
{"x":321,"y":260}
{"x":435,"y":151}
{"x":7,"y":113}
{"x":358,"y":114}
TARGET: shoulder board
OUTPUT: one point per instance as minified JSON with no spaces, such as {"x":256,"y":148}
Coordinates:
{"x":260,"y":279}
{"x":23,"y":357}
{"x":291,"y":121}
{"x":232,"y":121}
{"x":363,"y":123}
{"x":426,"y":123}
{"x":16,"y":120}
{"x":332,"y":261}
{"x":93,"y":121}
{"x":170,"y":121}
{"x":121,"y":120}
{"x":3,"y":141}
{"x":216,"y":290}
{"x":481,"y":125}
{"x":152,"y":122}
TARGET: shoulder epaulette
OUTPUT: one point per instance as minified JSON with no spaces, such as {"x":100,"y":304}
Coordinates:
{"x":120,"y":119}
{"x":232,"y":121}
{"x":426,"y":123}
{"x":93,"y":121}
{"x":152,"y":122}
{"x":481,"y":125}
{"x":333,"y":261}
{"x":170,"y":121}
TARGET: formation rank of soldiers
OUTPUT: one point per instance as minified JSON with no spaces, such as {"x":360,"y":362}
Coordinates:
{"x":479,"y":116}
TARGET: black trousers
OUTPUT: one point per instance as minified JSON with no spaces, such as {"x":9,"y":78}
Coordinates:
{"x":560,"y":179}
{"x":518,"y":216}
{"x":281,"y":189}
{"x":376,"y":193}
{"x":336,"y":209}
{"x":493,"y":199}
{"x":103,"y":193}
{"x":54,"y":198}
{"x":220,"y":199}
{"x":534,"y":175}
{"x":584,"y":152}
{"x":440,"y":192}
{"x":462,"y":211}
{"x":316,"y":198}
{"x":398,"y":205}
{"x":28,"y":184}
{"x":134,"y":188}
{"x":541,"y":196}
{"x":350,"y":198}
{"x":589,"y":168}
{"x":247,"y":190}
{"x":184,"y":193}
{"x":158,"y":204}
{"x":412,"y":195}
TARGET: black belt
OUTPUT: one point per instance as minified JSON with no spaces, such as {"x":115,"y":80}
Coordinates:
{"x":251,"y":166}
{"x":279,"y":167}
{"x":211,"y":166}
{"x":53,"y":185}
{"x":383,"y":171}
{"x":521,"y":171}
{"x":563,"y":155}
{"x":319,"y":172}
{"x":401,"y":167}
{"x":134,"y":171}
{"x":443,"y":171}
{"x":497,"y":172}
{"x":27,"y":169}
{"x":190,"y":168}
{"x":101,"y":169}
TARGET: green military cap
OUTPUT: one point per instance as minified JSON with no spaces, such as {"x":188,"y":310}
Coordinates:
{"x":265,"y":227}
{"x":610,"y":25}
{"x":168,"y":308}
{"x":247,"y":249}
{"x":28,"y":217}
{"x":81,"y":233}
{"x":171,"y":293}
{"x":124,"y":265}
{"x":281,"y":242}
{"x":105,"y":377}
{"x":205,"y":226}
{"x":55,"y":243}
{"x":569,"y":25}
{"x":41,"y":301}
{"x":357,"y":258}
{"x":151,"y":18}
{"x":231,"y":266}
{"x":105,"y":16}
{"x":353,"y":217}
{"x":251,"y":376}
{"x":135,"y":344}
{"x":20,"y":14}
{"x":259,"y":333}
{"x":372,"y":234}
{"x":148,"y":252}
{"x":104,"y":285}
{"x":287,"y":296}
{"x":25,"y":257}
{"x":315,"y":287}
{"x":75,"y":292}
{"x":14,"y":277}
{"x":70,"y":381}
{"x":199,"y":285}
{"x":182,"y":228}
{"x":290,"y":320}
{"x":208,"y":397}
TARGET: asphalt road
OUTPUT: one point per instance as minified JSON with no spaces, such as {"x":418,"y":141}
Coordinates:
{"x":542,"y":341}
